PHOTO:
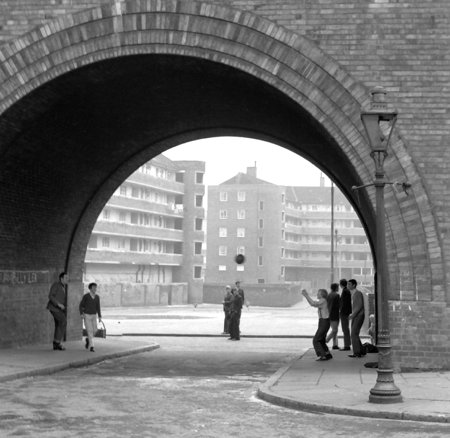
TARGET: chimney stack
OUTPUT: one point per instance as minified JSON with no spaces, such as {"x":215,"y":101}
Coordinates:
{"x":251,"y":171}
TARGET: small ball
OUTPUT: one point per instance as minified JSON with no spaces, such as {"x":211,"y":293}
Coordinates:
{"x":239,"y":259}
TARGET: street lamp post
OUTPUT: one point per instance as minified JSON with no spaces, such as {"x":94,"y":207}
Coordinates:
{"x":378,"y":114}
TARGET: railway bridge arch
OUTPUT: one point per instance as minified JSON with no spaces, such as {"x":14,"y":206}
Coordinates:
{"x":87,"y":98}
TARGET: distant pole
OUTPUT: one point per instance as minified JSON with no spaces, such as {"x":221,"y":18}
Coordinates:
{"x":337,"y":254}
{"x":332,"y":232}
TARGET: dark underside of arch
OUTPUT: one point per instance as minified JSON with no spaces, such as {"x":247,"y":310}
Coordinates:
{"x":61,"y":143}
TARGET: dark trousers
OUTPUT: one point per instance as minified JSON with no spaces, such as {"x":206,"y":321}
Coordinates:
{"x":234,"y":324}
{"x":226,"y":322}
{"x":345,"y":330}
{"x":60,"y":324}
{"x":357,"y":323}
{"x":319,"y":340}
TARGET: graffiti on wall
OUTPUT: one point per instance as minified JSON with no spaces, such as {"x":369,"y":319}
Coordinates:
{"x":24,"y":277}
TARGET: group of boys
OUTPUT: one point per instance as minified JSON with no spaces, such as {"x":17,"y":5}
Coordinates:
{"x":349,"y":306}
{"x":89,"y":309}
{"x":233,"y":301}
{"x":333,"y":308}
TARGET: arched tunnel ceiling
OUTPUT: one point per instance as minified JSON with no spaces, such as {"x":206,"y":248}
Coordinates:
{"x":63,"y":141}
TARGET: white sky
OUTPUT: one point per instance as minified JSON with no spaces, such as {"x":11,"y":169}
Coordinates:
{"x":227,"y":156}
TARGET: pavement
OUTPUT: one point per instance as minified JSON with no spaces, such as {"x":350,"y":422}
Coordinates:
{"x":338,"y":386}
{"x":38,"y":360}
{"x":342,"y":386}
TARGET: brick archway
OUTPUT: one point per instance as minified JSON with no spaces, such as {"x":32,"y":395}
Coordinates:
{"x":206,"y":39}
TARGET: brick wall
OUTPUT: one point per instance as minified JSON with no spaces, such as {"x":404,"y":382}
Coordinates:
{"x":420,"y":335}
{"x":23,"y":310}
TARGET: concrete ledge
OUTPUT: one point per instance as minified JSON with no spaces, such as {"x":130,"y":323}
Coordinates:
{"x":42,"y":371}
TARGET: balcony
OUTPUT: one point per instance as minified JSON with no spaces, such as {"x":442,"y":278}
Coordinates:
{"x":305,"y":263}
{"x":163,"y":185}
{"x":130,"y":258}
{"x":340,"y":215}
{"x":141,"y":205}
{"x":131,"y":230}
{"x":326,"y":263}
{"x":322,"y":231}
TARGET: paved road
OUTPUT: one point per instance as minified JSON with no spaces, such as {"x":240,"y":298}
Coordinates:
{"x":190,"y":387}
{"x":207,"y":319}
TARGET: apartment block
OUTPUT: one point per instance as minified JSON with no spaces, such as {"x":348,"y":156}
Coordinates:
{"x":147,"y":244}
{"x":285,"y":234}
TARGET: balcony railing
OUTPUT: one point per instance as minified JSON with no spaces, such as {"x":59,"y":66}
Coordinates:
{"x":325,"y":263}
{"x":342,"y":215}
{"x":323,"y":231}
{"x":144,"y":206}
{"x":151,"y":181}
{"x":131,"y":257}
{"x":137,"y":231}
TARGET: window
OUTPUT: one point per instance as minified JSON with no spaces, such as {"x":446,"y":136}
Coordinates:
{"x":123,"y":190}
{"x":241,"y":196}
{"x":199,"y":177}
{"x":122,"y":216}
{"x":240,"y":250}
{"x":223,"y":214}
{"x":241,"y":214}
{"x":223,"y":232}
{"x":134,"y":218}
{"x":282,"y":252}
{"x":282,"y":235}
{"x":282,"y":216}
{"x":135,"y":192}
{"x":222,"y":250}
{"x":261,"y":205}
{"x":260,"y":241}
{"x":261,"y":280}
{"x":222,"y":268}
{"x":105,"y":242}
{"x":261,"y":223}
{"x":241,"y":232}
{"x":198,"y":200}
{"x":197,"y":248}
{"x":179,"y":177}
{"x":240,"y":268}
{"x":133,"y":244}
{"x":121,"y":243}
{"x":106,"y":215}
{"x":92,"y":242}
{"x":223,"y":196}
{"x":198,"y":224}
{"x":260,"y":261}
{"x":283,"y":198}
{"x":197,"y":272}
{"x":282,"y":271}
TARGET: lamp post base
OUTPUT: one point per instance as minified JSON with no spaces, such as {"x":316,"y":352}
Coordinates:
{"x":385,"y":390}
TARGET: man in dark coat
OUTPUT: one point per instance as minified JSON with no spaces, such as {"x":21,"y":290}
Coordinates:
{"x":235,"y":316}
{"x":344,"y":311}
{"x":334,"y":300}
{"x":227,"y":309}
{"x":57,"y":307}
{"x":357,"y":318}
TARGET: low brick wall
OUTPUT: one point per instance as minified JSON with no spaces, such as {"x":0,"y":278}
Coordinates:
{"x":268,"y":295}
{"x":142,"y":294}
